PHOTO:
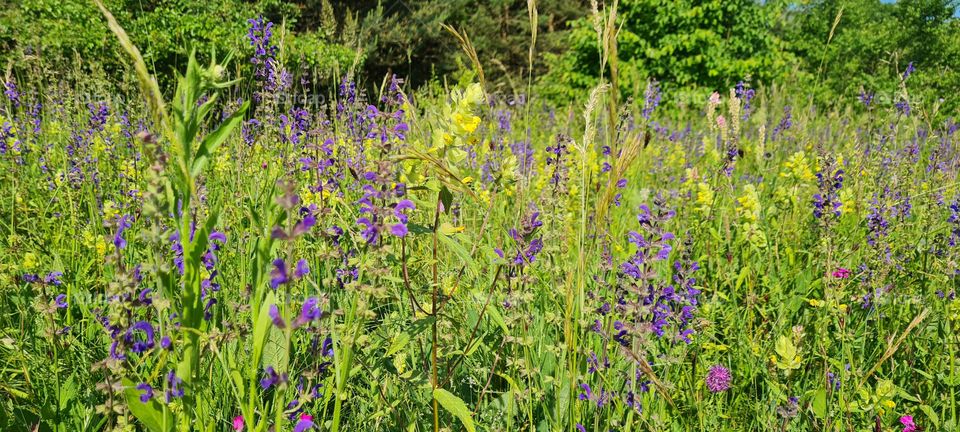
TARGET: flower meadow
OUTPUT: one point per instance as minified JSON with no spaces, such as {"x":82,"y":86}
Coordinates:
{"x":224,"y":258}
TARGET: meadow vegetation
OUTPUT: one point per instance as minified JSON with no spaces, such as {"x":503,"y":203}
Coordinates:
{"x":669,"y":218}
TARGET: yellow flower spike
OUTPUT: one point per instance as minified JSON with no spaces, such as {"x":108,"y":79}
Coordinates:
{"x":29,"y":261}
{"x":749,"y":208}
{"x":110,"y":211}
{"x":467,"y":123}
{"x":704,"y":197}
{"x":101,"y":247}
{"x":99,"y":145}
{"x":485,"y":196}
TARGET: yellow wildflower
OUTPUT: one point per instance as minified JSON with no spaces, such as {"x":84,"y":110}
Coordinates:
{"x":704,"y":198}
{"x":749,"y":209}
{"x":797,"y":167}
{"x":29,"y":261}
{"x":467,"y":122}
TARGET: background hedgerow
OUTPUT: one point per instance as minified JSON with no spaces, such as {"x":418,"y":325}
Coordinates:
{"x":261,"y":237}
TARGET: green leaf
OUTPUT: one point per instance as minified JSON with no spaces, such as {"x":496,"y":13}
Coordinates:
{"x":446,"y":198}
{"x":399,"y":341}
{"x":212,"y":141}
{"x":460,"y":251}
{"x":819,"y":403}
{"x":931,"y":415}
{"x":275,"y":350}
{"x":262,"y":325}
{"x":788,"y":357}
{"x":151,"y":414}
{"x":455,"y":406}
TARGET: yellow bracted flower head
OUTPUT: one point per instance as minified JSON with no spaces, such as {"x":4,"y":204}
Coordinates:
{"x":749,"y":208}
{"x":848,"y":202}
{"x":466,"y":123}
{"x":704,"y":197}
{"x":798,"y":168}
{"x":29,"y":261}
{"x":99,"y":145}
{"x":110,"y":211}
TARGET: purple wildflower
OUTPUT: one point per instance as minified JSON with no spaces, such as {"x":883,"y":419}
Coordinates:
{"x":305,"y":423}
{"x":147,"y":392}
{"x":278,"y":276}
{"x":122,"y":224}
{"x":718,"y":379}
{"x":140,"y":345}
{"x":276,"y":317}
{"x":173,"y":386}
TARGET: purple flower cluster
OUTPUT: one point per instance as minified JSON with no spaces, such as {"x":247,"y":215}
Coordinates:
{"x":908,"y":71}
{"x":555,"y":160}
{"x":526,"y":242}
{"x":866,"y":98}
{"x":718,"y":379}
{"x":828,"y":199}
{"x":378,"y":212}
{"x":651,"y":99}
{"x":954,"y":221}
{"x":10,"y":90}
{"x":666,"y":310}
{"x":746,"y":95}
{"x":878,"y":223}
{"x":260,"y":34}
{"x":785,"y":123}
{"x":294,"y":126}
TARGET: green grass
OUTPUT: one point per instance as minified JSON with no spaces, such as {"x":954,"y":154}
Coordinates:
{"x":434,"y":329}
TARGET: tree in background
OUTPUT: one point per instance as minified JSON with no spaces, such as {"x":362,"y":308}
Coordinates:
{"x":846,"y":46}
{"x":832,"y":49}
{"x":685,"y":43}
{"x":409,"y":40}
{"x":68,"y":34}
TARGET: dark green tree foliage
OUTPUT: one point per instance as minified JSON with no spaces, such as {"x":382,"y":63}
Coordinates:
{"x":681,"y":43}
{"x":410,"y":41}
{"x":65,"y":31}
{"x":873,"y":43}
{"x":705,"y":44}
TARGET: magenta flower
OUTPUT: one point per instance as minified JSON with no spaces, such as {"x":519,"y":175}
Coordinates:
{"x":305,"y":423}
{"x":908,"y":425}
{"x":238,"y":423}
{"x":841,"y":273}
{"x":718,"y":379}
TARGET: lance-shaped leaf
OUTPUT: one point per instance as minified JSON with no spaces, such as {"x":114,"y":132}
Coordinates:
{"x":455,"y":406}
{"x":215,"y":139}
{"x":151,"y":414}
